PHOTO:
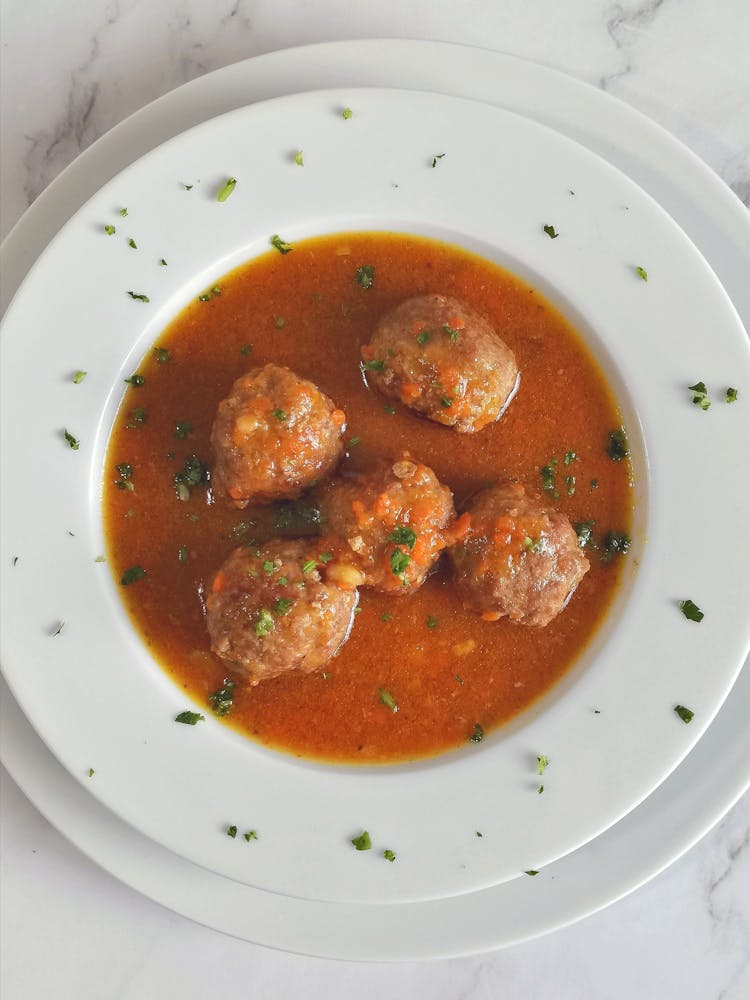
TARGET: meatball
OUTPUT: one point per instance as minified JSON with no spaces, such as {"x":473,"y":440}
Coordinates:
{"x":518,"y":558}
{"x":395,"y":520}
{"x":288,"y":605}
{"x":273,"y":436}
{"x":442,"y":359}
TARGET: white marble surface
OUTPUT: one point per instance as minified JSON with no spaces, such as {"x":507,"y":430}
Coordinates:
{"x":69,"y":72}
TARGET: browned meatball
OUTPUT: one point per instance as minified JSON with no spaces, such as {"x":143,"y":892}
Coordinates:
{"x":288,"y":605}
{"x":518,"y":558}
{"x":273,"y":436}
{"x":395,"y":519}
{"x":442,"y":359}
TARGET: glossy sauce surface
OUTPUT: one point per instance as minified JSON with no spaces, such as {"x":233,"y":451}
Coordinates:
{"x":445,"y":668}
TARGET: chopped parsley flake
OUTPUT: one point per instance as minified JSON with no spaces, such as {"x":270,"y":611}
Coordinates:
{"x":162,"y":355}
{"x":100,"y":559}
{"x":691,"y":611}
{"x":453,"y":333}
{"x":477,"y":735}
{"x":570,"y":457}
{"x":227,"y":189}
{"x":297,"y":517}
{"x":269,"y":566}
{"x":362,"y":842}
{"x":389,"y":855}
{"x":282,"y":606}
{"x":374,"y":366}
{"x":162,"y":262}
{"x":731,"y":395}
{"x":386,"y":616}
{"x":403,"y":535}
{"x":583,"y":530}
{"x":423,"y":337}
{"x":550,"y":231}
{"x":73,"y":442}
{"x":279,"y":414}
{"x":353,"y":442}
{"x":132,"y":244}
{"x":594,"y":484}
{"x":642,"y":273}
{"x":431,"y":621}
{"x":700,"y":395}
{"x":531,"y":871}
{"x":309,"y":566}
{"x":298,"y":158}
{"x":123,"y":212}
{"x":212,"y":293}
{"x":438,"y":156}
{"x":684,"y":713}
{"x":182,"y":428}
{"x":110,"y":230}
{"x":279,"y":322}
{"x":135,"y":380}
{"x":188,"y":187}
{"x":365,"y":276}
{"x":132,"y":574}
{"x":137,"y":416}
{"x":399,"y":561}
{"x":390,"y":410}
{"x":139,"y":296}
{"x":250,"y":835}
{"x":246,"y":349}
{"x":325,"y":557}
{"x":542,"y":763}
{"x":182,"y":554}
{"x":193,"y":473}
{"x":615,"y":543}
{"x":281,"y":245}
{"x":189,"y":718}
{"x":446,"y":402}
{"x":617,"y":448}
{"x":387,"y":699}
{"x":91,"y":772}
{"x":570,"y":483}
{"x":540,"y":789}
{"x":232,"y":831}
{"x":547,"y":472}
{"x":222,"y":700}
{"x":265,"y":623}
{"x":346,"y":114}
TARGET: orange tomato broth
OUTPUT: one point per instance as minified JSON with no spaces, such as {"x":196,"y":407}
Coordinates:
{"x":446,"y":678}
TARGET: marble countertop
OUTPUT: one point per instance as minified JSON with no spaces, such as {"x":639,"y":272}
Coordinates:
{"x":69,"y":73}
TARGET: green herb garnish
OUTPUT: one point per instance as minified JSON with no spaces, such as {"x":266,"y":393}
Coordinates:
{"x":642,"y":273}
{"x":222,"y":700}
{"x":246,"y":349}
{"x":297,"y":518}
{"x":132,"y":574}
{"x":135,"y":380}
{"x":250,"y":835}
{"x":477,"y":735}
{"x":232,"y":831}
{"x":684,"y":713}
{"x":298,"y":158}
{"x":731,"y":395}
{"x":547,"y":472}
{"x":700,"y":395}
{"x":431,"y":621}
{"x":162,"y":262}
{"x":137,"y":416}
{"x":282,"y":606}
{"x":365,"y":275}
{"x":182,"y":553}
{"x":162,"y":355}
{"x":542,"y":763}
{"x":387,"y":699}
{"x":110,"y":230}
{"x":132,"y":244}
{"x":346,"y":114}
{"x":309,"y":566}
{"x":389,"y":855}
{"x":193,"y":473}
{"x":569,"y":458}
{"x":279,"y":322}
{"x":189,"y":718}
{"x":390,"y":410}
{"x":615,"y":543}
{"x":139,"y":296}
{"x":123,"y":212}
{"x":617,"y":448}
{"x":79,"y":376}
{"x":281,"y":245}
{"x":227,"y":189}
{"x":570,"y":485}
{"x":403,"y":535}
{"x":446,"y":402}
{"x":265,"y":623}
{"x":691,"y":611}
{"x":73,"y":442}
{"x":438,"y":156}
{"x":583,"y":530}
{"x":453,"y":333}
{"x":362,"y":842}
{"x":423,"y":337}
{"x":182,"y":428}
{"x":550,"y":231}
{"x":374,"y":366}
{"x":399,"y":561}
{"x":386,"y":617}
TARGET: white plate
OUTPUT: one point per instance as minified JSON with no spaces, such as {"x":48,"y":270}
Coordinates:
{"x":666,"y":824}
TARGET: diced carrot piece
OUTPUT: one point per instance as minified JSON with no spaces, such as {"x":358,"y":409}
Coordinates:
{"x":410,"y":391}
{"x":235,"y":492}
{"x":461,"y":527}
{"x":456,"y":323}
{"x":338,"y":417}
{"x":360,"y":512}
{"x":490,"y":616}
{"x":367,"y":351}
{"x":220,"y":582}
